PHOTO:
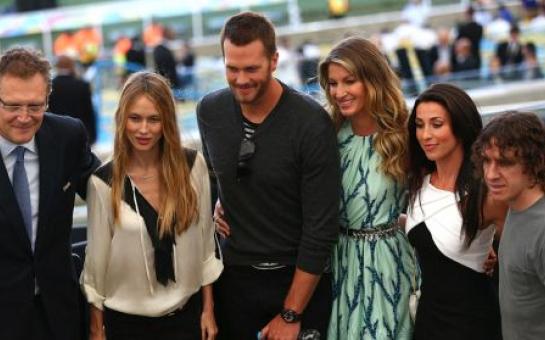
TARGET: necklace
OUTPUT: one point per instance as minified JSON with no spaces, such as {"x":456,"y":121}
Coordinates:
{"x":434,"y":180}
{"x":145,"y":178}
{"x":144,"y":173}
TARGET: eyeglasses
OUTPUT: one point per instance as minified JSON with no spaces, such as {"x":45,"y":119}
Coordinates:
{"x":246,"y":152}
{"x":18,"y":108}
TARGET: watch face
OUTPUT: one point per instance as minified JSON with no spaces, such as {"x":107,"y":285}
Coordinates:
{"x":289,"y":316}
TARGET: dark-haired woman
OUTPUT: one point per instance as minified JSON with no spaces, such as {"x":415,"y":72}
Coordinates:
{"x":450,"y":218}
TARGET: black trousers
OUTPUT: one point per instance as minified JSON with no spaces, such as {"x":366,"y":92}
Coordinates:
{"x":247,"y":299}
{"x":40,"y":326}
{"x":183,"y":324}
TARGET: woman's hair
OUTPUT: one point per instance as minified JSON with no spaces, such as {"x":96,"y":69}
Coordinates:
{"x":178,"y":200}
{"x":519,"y":136}
{"x":383,"y":99}
{"x":466,"y":125}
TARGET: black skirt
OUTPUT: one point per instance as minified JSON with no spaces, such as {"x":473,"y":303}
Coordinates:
{"x":457,"y":303}
{"x":182,"y":324}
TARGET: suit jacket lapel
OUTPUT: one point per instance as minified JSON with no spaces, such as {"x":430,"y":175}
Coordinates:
{"x":48,"y":158}
{"x":9,"y":206}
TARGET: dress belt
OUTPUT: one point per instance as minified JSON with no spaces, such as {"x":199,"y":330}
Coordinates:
{"x":372,"y":233}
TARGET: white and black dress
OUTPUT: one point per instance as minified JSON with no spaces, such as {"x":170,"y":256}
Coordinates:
{"x":458,"y":301}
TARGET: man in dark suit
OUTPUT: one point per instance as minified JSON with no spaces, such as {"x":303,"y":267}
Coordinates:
{"x":473,"y":31}
{"x":165,"y":64}
{"x":464,"y":60}
{"x":45,"y":159}
{"x":509,"y":55}
{"x":72,"y":96}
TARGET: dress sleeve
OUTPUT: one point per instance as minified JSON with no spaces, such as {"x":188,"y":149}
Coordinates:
{"x":99,"y":237}
{"x":212,"y":266}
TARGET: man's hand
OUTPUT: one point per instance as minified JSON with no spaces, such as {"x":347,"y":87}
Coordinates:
{"x":301,"y":290}
{"x":278,"y":329}
{"x":490,"y":262}
{"x":402,"y":221}
{"x":219,"y":221}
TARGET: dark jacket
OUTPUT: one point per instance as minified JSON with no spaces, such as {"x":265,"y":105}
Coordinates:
{"x":474,"y":32}
{"x":72,"y":97}
{"x":165,"y":64}
{"x":65,"y":163}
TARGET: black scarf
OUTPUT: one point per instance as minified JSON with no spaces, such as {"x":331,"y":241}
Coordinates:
{"x":164,"y":268}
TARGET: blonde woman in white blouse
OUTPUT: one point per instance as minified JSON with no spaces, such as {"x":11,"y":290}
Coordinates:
{"x":150,"y":234}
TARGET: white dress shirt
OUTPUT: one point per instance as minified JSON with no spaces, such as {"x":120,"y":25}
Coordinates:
{"x":32,"y":168}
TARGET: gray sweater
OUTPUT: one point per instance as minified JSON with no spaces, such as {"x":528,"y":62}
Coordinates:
{"x":522,"y":274}
{"x":286,"y":209}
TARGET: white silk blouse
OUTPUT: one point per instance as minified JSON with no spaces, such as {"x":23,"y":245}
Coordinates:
{"x":119,"y":266}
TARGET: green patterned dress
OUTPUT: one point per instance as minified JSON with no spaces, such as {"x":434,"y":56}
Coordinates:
{"x":372,"y":274}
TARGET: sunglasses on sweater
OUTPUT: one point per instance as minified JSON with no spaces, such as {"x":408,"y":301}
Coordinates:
{"x":245,"y":154}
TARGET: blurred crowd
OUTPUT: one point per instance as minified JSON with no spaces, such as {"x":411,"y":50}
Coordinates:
{"x":490,"y":42}
{"x":456,"y":53}
{"x":156,"y":47}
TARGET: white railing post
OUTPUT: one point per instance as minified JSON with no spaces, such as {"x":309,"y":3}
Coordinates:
{"x":294,"y":13}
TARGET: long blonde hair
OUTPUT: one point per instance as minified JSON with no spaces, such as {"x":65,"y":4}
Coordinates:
{"x":178,"y":200}
{"x":384,"y":99}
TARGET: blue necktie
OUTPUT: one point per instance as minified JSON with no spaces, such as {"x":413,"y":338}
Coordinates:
{"x":21,"y":189}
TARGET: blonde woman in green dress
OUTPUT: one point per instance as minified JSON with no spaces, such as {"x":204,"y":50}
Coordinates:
{"x":372,"y":262}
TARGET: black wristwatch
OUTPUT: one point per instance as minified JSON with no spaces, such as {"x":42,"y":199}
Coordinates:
{"x":290,"y":316}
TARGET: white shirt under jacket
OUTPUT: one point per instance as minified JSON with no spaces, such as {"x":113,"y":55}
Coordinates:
{"x":119,"y":271}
